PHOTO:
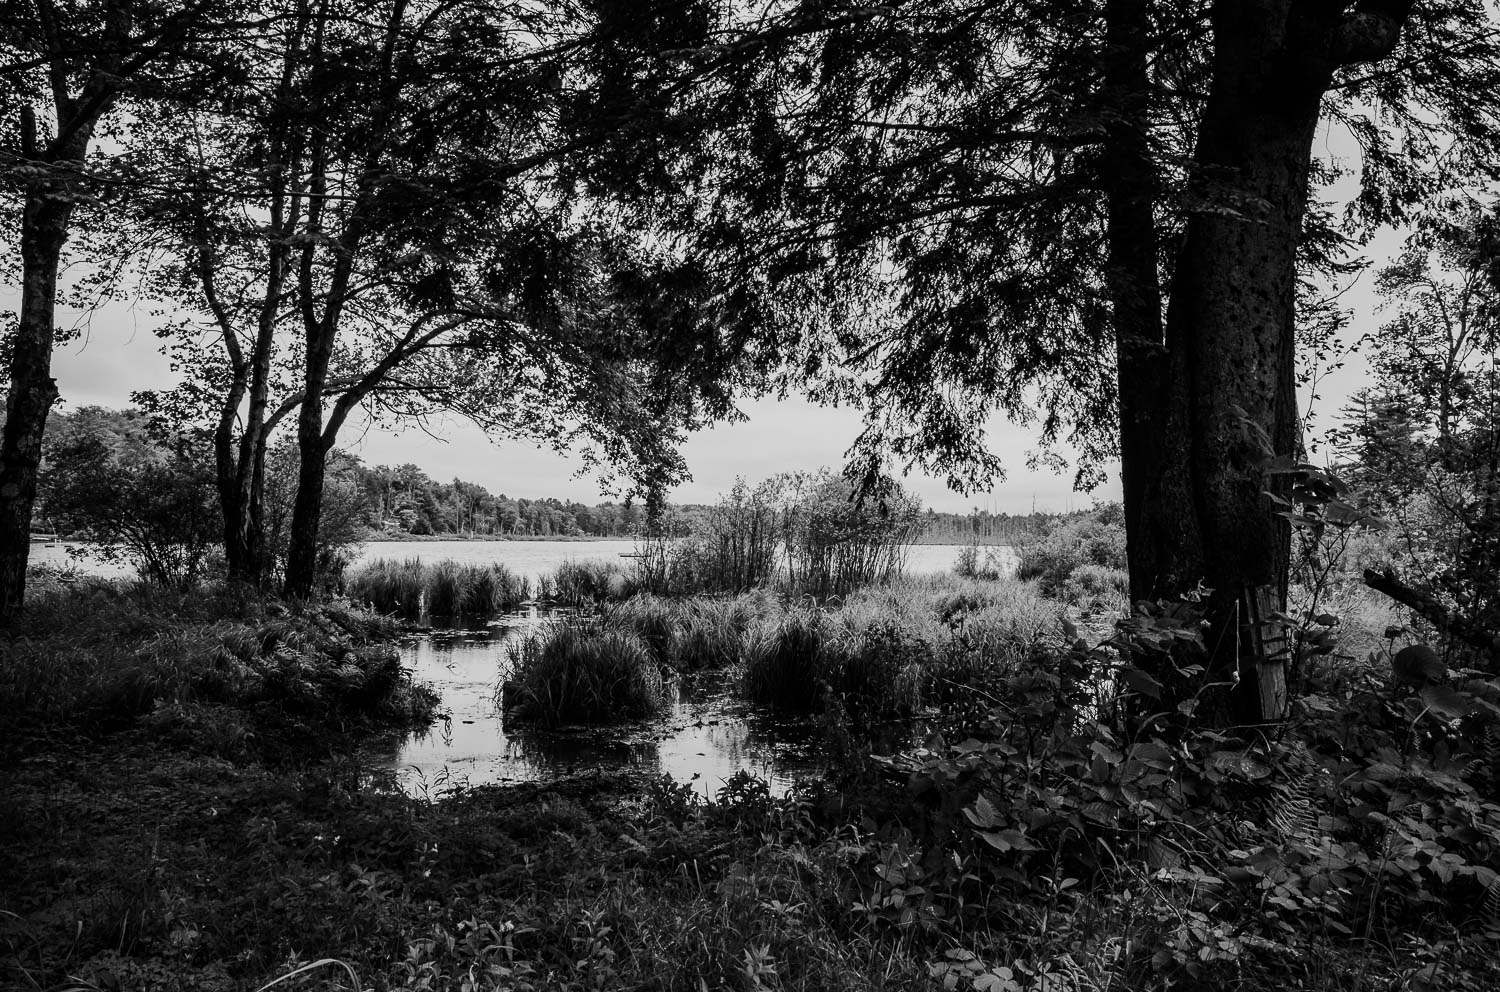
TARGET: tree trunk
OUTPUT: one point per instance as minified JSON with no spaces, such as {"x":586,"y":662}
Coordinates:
{"x":1160,"y":545}
{"x":44,"y":230}
{"x":302,"y":552}
{"x":1201,"y":512}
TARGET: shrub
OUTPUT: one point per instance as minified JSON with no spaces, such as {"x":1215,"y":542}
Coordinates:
{"x":1096,"y":538}
{"x":1098,"y":585}
{"x":583,"y":673}
{"x":975,"y":562}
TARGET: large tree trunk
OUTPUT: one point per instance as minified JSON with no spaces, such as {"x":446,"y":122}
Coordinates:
{"x":1202,"y":415}
{"x":1159,"y":543}
{"x":44,"y":230}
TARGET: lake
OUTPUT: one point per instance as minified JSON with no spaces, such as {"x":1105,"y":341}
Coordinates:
{"x":529,"y":558}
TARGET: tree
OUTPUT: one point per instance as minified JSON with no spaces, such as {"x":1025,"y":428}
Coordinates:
{"x":1093,"y":216}
{"x":329,"y":193}
{"x":1425,"y":444}
{"x":65,"y":69}
{"x":149,"y":502}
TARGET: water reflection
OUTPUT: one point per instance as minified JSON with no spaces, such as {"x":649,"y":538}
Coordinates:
{"x":706,"y":737}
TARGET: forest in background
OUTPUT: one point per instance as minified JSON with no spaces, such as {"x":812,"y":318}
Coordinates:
{"x":95,"y":458}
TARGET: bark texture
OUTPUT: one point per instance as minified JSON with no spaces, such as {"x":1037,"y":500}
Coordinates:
{"x":1206,"y":403}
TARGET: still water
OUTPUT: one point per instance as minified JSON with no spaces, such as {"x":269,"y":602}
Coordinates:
{"x":706,"y":737}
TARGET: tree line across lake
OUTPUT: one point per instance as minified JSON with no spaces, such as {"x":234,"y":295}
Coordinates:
{"x":122,"y":481}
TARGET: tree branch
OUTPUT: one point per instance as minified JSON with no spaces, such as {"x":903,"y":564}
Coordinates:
{"x":1428,"y":606}
{"x":1369,"y":32}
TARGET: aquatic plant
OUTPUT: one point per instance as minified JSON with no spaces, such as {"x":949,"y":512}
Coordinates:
{"x":446,"y":589}
{"x":582,"y":673}
{"x":787,"y":660}
{"x":390,"y":586}
{"x":493,"y":589}
{"x":653,"y":619}
{"x":585,"y":584}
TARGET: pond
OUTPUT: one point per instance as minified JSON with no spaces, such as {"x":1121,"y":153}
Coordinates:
{"x":707,"y":736}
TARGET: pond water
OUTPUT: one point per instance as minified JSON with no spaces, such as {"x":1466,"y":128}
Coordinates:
{"x":706,"y":737}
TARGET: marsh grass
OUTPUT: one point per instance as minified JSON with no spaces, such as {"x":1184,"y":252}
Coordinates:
{"x":581,"y":672}
{"x":409,"y":588}
{"x":492,"y":590}
{"x":203,"y":667}
{"x":788,"y":660}
{"x":390,"y":586}
{"x":585,"y":585}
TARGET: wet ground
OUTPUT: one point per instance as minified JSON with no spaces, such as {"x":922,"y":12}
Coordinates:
{"x":708,"y":735}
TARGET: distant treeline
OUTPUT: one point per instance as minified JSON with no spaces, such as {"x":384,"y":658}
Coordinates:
{"x":401,"y":501}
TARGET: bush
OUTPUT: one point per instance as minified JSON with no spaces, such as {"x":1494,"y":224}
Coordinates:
{"x":583,"y":673}
{"x":1096,"y":538}
{"x":142,"y":500}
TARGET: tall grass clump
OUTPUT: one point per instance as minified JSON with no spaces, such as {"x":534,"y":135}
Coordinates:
{"x":390,"y":586}
{"x":493,"y":589}
{"x":583,"y":673}
{"x":788,"y":660}
{"x":447,"y":590}
{"x":651,"y":619}
{"x":585,"y":584}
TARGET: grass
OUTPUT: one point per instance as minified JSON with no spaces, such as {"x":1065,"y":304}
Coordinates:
{"x":202,"y":669}
{"x":579,"y":672}
{"x":389,"y":586}
{"x":409,"y":588}
{"x":585,"y":585}
{"x":1025,"y":846}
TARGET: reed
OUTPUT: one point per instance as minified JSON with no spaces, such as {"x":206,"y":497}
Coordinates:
{"x":583,"y":673}
{"x":447,"y":588}
{"x":390,"y":586}
{"x":787,"y":661}
{"x":494,"y":589}
{"x":584,"y":585}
